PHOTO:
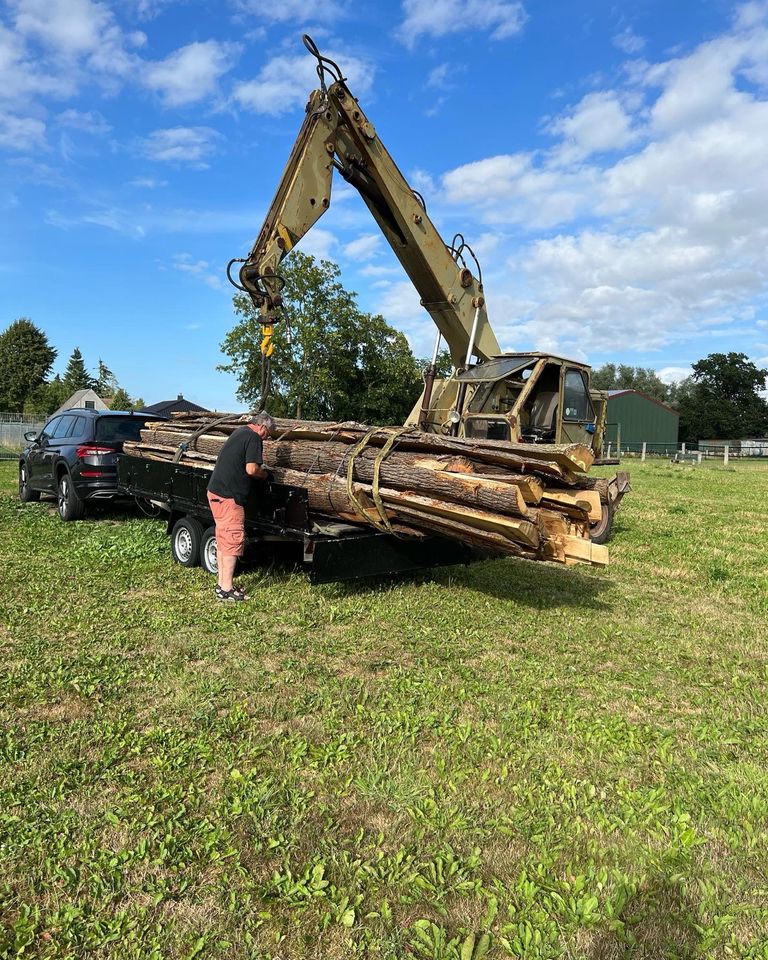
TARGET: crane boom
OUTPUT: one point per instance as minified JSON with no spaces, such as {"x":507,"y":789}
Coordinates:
{"x":337,"y":134}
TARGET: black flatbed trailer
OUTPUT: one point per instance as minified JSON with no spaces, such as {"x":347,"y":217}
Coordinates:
{"x":277,"y":515}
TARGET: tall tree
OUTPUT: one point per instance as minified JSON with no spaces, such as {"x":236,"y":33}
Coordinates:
{"x":341,"y":362}
{"x":48,"y":397}
{"x":26,"y":358}
{"x":121,"y":400}
{"x":722,"y":400}
{"x":76,"y":376}
{"x":624,"y":377}
{"x":106,"y":382}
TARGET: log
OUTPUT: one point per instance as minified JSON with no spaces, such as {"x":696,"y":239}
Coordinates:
{"x":528,"y":500}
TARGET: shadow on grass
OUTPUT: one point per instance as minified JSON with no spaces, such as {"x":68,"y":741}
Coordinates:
{"x":661,"y":919}
{"x":539,"y":585}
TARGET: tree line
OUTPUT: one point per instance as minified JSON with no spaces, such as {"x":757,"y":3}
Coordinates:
{"x":721,"y":400}
{"x":26,"y":384}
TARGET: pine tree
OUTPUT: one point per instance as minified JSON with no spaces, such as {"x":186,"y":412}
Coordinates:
{"x":76,"y":376}
{"x":106,"y":381}
{"x":121,"y":400}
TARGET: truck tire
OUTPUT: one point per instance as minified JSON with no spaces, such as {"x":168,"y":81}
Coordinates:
{"x":600,"y":531}
{"x":208,"y":557}
{"x":186,"y":536}
{"x":26,"y":493}
{"x":71,"y":507}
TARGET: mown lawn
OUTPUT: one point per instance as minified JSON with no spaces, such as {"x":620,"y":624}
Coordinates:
{"x":511,"y":759}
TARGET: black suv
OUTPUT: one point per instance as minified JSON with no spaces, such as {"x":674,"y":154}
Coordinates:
{"x":75,"y":455}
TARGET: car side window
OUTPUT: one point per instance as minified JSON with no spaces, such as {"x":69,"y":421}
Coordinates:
{"x":576,"y":402}
{"x":48,"y":429}
{"x":79,"y":428}
{"x":62,"y":428}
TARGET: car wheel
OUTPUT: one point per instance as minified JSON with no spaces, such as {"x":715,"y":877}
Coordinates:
{"x":186,"y":536}
{"x":26,"y":493}
{"x":71,"y":507}
{"x":600,"y":531}
{"x":209,"y":560}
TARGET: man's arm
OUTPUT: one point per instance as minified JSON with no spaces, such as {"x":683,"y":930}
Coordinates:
{"x":256,"y":470}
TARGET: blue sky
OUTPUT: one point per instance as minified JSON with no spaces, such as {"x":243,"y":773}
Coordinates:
{"x":606,"y":160}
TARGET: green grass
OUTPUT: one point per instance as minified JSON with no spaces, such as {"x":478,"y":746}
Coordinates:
{"x":511,"y":759}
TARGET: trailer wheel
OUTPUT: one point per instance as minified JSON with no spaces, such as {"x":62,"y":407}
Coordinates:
{"x":600,"y":531}
{"x":208,"y":557}
{"x":185,"y":541}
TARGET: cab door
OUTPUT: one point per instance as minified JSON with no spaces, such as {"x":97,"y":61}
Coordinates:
{"x":577,"y":422}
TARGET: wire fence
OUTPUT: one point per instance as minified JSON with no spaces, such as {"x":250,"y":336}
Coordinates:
{"x":13,"y":426}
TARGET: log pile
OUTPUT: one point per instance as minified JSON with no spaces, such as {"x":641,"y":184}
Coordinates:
{"x":527,"y":500}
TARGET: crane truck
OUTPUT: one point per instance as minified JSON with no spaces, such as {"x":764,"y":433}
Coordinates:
{"x":518,"y":397}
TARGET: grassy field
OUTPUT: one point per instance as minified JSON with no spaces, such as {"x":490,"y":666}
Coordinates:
{"x":511,"y":759}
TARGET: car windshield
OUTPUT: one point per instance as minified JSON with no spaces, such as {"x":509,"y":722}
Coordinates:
{"x":118,"y":429}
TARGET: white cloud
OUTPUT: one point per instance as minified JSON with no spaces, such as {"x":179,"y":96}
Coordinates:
{"x":295,"y":12}
{"x":364,"y":247}
{"x":628,"y":41}
{"x":597,"y":124}
{"x":198,"y":268}
{"x":319,"y":243}
{"x":674,"y":374}
{"x":148,"y":183}
{"x":438,"y":18}
{"x":284,"y":83}
{"x":190,"y":73}
{"x":181,"y":145}
{"x":652,"y":248}
{"x":21,"y":133}
{"x":90,"y":121}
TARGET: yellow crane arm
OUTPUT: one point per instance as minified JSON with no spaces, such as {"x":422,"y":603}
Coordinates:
{"x":337,"y":134}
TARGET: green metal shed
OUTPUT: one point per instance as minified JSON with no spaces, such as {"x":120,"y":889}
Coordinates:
{"x":635,"y":418}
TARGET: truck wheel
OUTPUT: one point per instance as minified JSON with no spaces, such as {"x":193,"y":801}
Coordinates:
{"x":185,"y":541}
{"x":71,"y":507}
{"x":208,"y":557}
{"x":26,"y":493}
{"x":600,"y":531}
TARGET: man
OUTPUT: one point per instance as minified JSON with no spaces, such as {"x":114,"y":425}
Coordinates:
{"x":239,"y":461}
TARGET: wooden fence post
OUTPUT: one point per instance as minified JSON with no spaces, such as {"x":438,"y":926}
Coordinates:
{"x":683,"y":450}
{"x":699,"y":455}
{"x":726,"y":454}
{"x":642,"y":455}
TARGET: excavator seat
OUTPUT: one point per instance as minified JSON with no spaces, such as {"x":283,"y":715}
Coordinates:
{"x":543,"y":415}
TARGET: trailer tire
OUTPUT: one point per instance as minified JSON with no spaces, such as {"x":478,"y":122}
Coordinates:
{"x":186,"y":536}
{"x":208,"y":556}
{"x":600,"y":531}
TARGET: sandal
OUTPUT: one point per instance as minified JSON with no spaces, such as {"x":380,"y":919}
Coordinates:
{"x":239,"y":593}
{"x":229,"y":595}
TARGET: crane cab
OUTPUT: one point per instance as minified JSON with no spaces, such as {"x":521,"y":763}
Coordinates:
{"x":520,"y":398}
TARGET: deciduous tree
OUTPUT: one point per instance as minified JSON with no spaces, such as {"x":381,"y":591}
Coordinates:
{"x":26,"y":357}
{"x":722,"y":400}
{"x":341,"y":363}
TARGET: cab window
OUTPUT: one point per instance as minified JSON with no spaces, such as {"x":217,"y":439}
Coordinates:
{"x":576,"y":402}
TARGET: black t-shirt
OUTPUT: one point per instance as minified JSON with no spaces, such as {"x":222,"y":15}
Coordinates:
{"x":229,"y":479}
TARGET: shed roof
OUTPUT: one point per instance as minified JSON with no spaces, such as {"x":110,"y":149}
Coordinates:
{"x":639,"y":393}
{"x":179,"y":405}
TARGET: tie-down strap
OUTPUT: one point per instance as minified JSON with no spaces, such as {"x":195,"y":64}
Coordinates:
{"x":382,"y":523}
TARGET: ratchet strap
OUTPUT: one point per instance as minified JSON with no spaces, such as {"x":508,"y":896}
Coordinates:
{"x":382,"y":523}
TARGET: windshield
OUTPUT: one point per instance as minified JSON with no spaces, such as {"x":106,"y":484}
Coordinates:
{"x":496,"y":369}
{"x":118,"y":429}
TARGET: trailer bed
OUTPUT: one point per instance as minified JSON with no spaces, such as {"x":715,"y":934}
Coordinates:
{"x":277,"y":514}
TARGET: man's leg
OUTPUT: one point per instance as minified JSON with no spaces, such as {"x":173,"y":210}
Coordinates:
{"x":226,"y":571}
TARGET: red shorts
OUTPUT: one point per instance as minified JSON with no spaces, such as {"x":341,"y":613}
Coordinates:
{"x":230,"y":525}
